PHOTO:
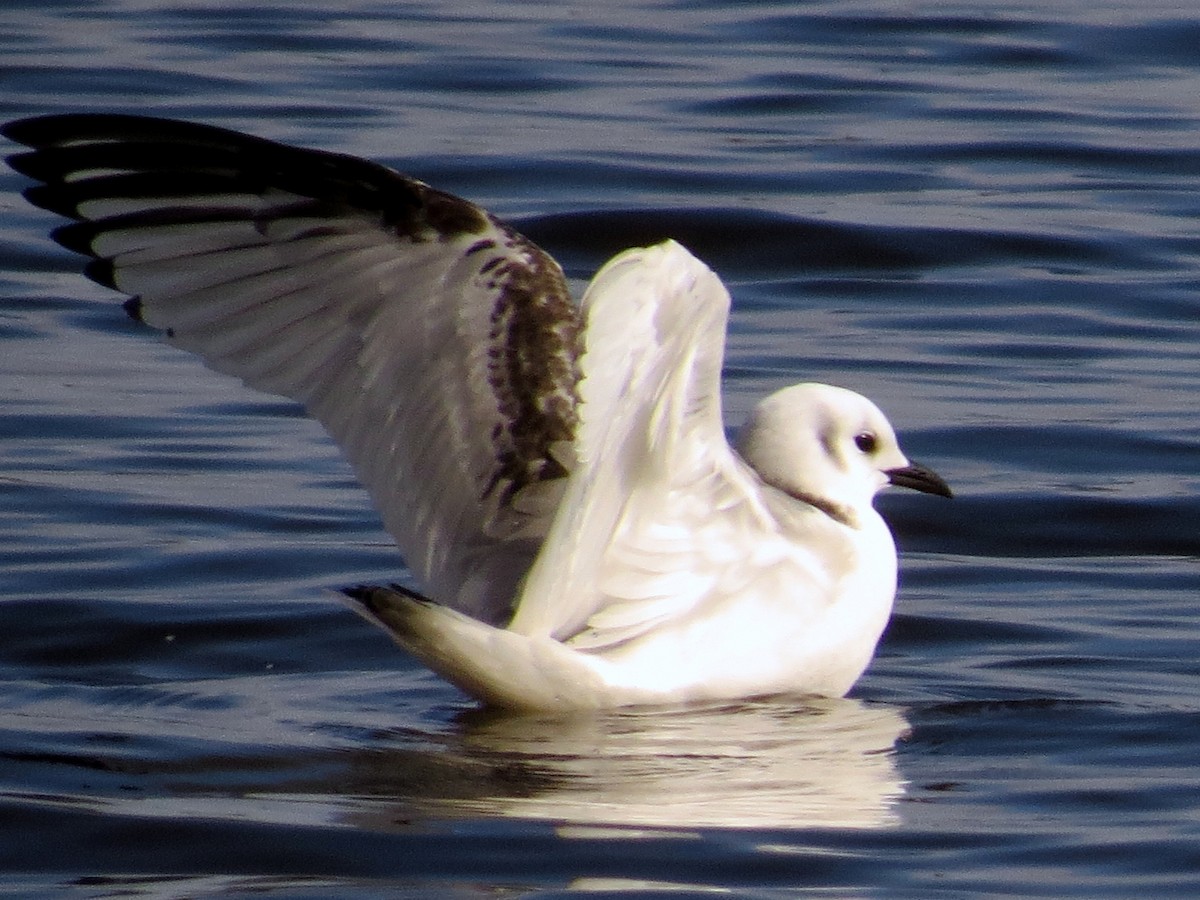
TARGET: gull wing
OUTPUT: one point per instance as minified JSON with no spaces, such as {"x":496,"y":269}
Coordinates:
{"x":659,"y":507}
{"x":437,"y":346}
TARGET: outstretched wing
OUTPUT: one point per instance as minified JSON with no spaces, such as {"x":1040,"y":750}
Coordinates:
{"x":436,"y":345}
{"x":647,"y":529}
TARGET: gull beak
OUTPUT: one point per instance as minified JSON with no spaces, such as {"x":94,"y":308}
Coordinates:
{"x":920,"y":479}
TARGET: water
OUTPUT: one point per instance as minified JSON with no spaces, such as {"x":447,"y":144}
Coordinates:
{"x":982,"y":215}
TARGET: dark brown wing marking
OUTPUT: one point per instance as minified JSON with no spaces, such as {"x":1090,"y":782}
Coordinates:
{"x":533,"y":354}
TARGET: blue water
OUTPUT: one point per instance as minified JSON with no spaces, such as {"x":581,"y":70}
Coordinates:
{"x":982,"y":215}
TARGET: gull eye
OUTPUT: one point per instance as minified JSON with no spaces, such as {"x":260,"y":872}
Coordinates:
{"x":866,"y":442}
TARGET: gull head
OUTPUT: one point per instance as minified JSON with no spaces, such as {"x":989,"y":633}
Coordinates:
{"x":831,"y":448}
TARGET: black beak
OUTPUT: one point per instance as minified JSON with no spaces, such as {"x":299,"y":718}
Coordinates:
{"x":920,"y":479}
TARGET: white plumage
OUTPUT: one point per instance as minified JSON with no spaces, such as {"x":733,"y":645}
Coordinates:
{"x":556,"y":475}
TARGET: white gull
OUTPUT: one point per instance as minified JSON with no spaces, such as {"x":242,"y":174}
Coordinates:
{"x":556,"y":475}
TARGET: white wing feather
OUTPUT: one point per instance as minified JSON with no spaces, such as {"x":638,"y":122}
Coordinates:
{"x":629,"y":542}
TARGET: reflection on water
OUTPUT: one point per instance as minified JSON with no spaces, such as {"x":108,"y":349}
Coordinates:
{"x":234,"y":751}
{"x":763,"y":765}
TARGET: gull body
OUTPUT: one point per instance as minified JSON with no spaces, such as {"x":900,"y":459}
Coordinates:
{"x":556,"y":475}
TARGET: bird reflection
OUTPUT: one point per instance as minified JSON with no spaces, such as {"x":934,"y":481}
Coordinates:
{"x":770,"y":764}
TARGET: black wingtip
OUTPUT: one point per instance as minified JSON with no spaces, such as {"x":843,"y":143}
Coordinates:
{"x":21,"y":131}
{"x":45,"y":131}
{"x":52,"y":198}
{"x":77,"y":236}
{"x":133,"y":309}
{"x":25,"y":163}
{"x":101,"y":272}
{"x":32,"y":131}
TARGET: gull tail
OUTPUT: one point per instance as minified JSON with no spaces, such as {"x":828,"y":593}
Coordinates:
{"x":501,"y":667}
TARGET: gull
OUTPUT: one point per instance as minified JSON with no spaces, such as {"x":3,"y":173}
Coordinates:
{"x":555,"y":474}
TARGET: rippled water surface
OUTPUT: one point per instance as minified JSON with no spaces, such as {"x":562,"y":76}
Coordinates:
{"x":982,"y":215}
